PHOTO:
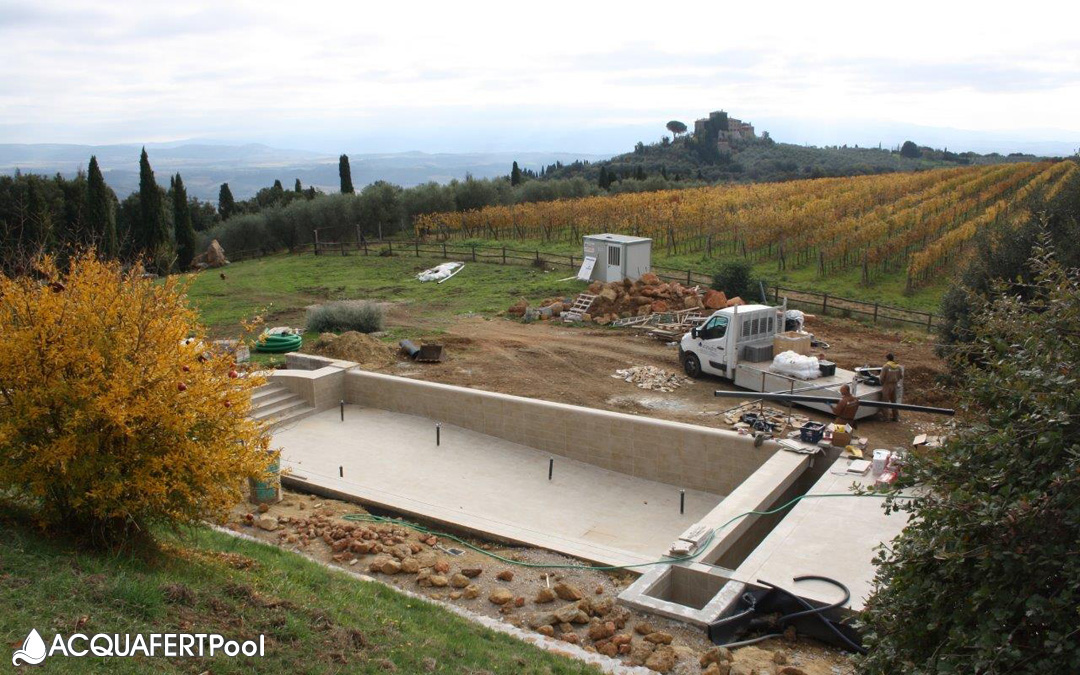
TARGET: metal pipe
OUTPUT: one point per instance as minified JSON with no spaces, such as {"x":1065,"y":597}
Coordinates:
{"x":438,"y":433}
{"x":827,"y":399}
{"x":551,"y":467}
{"x":342,"y":410}
{"x":682,"y":501}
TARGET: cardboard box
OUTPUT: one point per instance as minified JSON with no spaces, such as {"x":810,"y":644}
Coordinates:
{"x":792,"y":341}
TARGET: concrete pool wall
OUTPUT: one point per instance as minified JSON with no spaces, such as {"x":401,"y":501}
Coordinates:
{"x":682,"y":455}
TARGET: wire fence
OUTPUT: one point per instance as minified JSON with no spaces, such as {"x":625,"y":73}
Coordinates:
{"x":821,"y":303}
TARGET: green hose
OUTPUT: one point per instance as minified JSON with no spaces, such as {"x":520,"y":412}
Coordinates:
{"x":368,"y":518}
{"x":278,"y":344}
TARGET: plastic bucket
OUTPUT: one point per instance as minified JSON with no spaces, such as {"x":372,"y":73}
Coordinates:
{"x":267,"y":491}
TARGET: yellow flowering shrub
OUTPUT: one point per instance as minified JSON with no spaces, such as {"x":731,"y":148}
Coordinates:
{"x":115,"y":413}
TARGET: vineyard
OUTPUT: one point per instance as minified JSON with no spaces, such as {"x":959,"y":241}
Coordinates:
{"x":918,"y":224}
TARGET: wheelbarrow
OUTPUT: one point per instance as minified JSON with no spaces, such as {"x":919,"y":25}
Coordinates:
{"x":428,"y":353}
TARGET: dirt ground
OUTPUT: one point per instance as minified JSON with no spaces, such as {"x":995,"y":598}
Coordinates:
{"x":447,"y":571}
{"x":550,"y":361}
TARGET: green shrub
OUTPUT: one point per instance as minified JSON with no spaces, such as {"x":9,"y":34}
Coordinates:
{"x":984,"y":577}
{"x":736,"y":279}
{"x":344,"y":315}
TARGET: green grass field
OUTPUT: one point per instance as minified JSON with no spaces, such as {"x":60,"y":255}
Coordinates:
{"x":314,"y":620}
{"x":888,"y":290}
{"x":281,"y":286}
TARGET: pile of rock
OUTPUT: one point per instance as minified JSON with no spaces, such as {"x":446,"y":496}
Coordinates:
{"x":651,"y":378}
{"x":625,"y":299}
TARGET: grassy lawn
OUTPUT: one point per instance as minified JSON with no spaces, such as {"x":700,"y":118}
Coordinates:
{"x":314,"y":620}
{"x":888,"y":290}
{"x":281,"y":286}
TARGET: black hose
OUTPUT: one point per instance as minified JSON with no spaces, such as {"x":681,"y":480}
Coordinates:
{"x":824,"y":608}
{"x":859,"y":649}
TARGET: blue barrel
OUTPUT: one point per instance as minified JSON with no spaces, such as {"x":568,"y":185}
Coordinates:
{"x":267,"y":491}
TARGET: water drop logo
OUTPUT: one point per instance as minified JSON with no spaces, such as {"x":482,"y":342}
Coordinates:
{"x":32,"y":652}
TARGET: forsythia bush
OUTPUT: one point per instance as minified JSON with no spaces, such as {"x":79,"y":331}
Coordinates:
{"x":113,"y":413}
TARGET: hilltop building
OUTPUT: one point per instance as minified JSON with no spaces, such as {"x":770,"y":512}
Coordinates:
{"x":727,"y":130}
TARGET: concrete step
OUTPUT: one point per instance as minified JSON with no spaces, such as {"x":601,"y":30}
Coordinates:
{"x":271,"y":399}
{"x":266,"y":391}
{"x":279,"y":409}
{"x":296,"y":415}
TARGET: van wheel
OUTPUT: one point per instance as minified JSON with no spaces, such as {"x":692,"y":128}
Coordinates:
{"x":692,"y":365}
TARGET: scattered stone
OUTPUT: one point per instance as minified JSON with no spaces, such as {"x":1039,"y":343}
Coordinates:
{"x":455,"y":595}
{"x":644,"y":628}
{"x":546,"y":630}
{"x":263,"y":508}
{"x":717,"y":669}
{"x":568,"y":592}
{"x":791,"y":670}
{"x":410,"y":565}
{"x":390,"y":567}
{"x":790,"y":634}
{"x":500,"y":596}
{"x":741,"y":669}
{"x":519,"y":601}
{"x":459,"y":581}
{"x":622,"y":639}
{"x":442,"y":567}
{"x":780,"y":657}
{"x":651,"y":378}
{"x":715,"y":655}
{"x":471,"y":592}
{"x":603,"y":606}
{"x":267,"y":522}
{"x":572,"y":638}
{"x":538,"y":619}
{"x":601,"y":631}
{"x":659,"y":638}
{"x":608,"y":649}
{"x":472,"y":572}
{"x":439,"y":581}
{"x":599,"y":589}
{"x":566,"y":628}
{"x":505,"y":575}
{"x":544,"y":596}
{"x":662,"y":660}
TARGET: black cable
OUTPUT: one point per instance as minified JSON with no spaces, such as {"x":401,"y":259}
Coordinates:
{"x":836,"y":631}
{"x":824,"y":608}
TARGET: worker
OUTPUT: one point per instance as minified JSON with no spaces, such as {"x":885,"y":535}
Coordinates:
{"x":846,"y":408}
{"x":891,"y":377}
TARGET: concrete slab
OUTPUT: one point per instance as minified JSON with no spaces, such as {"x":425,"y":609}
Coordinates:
{"x":486,"y":484}
{"x":827,"y":536}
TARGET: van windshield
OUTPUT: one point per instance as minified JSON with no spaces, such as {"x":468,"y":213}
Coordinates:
{"x":716,"y":327}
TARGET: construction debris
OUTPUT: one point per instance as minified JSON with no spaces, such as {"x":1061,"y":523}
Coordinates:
{"x":651,"y":378}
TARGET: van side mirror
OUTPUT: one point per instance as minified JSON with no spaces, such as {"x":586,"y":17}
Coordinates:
{"x":694,"y":333}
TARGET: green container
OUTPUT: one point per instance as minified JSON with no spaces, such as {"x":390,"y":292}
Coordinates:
{"x":267,"y":491}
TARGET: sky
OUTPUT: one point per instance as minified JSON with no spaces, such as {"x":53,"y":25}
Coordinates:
{"x":553,"y":76}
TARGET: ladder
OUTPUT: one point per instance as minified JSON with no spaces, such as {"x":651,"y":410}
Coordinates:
{"x":581,"y":306}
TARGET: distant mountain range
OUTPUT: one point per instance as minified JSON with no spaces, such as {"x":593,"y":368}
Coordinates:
{"x":250,"y":167}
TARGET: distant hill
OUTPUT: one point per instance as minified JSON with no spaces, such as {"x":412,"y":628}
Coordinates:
{"x":249,"y":168}
{"x":716,"y":151}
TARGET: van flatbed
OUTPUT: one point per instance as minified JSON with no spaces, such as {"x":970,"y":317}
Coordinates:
{"x":758,"y":377}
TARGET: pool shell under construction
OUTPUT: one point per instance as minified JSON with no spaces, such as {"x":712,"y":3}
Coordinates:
{"x":615,"y":499}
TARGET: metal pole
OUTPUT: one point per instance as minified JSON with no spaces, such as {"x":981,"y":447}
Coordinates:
{"x":341,"y":472}
{"x":551,"y":467}
{"x":342,"y":410}
{"x":682,"y":501}
{"x":438,"y":433}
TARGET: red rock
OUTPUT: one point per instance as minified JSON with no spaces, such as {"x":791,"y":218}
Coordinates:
{"x":715,"y":299}
{"x":660,"y":306}
{"x":735,"y":301}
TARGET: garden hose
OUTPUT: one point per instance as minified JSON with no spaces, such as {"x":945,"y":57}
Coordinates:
{"x":278,"y":344}
{"x":368,"y":518}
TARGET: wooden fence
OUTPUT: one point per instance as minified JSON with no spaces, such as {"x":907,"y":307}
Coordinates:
{"x":820,"y":303}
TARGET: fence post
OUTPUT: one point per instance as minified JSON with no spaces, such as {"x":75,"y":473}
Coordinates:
{"x":929,"y":323}
{"x":824,"y":303}
{"x":316,"y":243}
{"x":474,"y":252}
{"x":417,"y":244}
{"x":504,"y":255}
{"x":444,"y":250}
{"x":776,"y":295}
{"x":537,"y":257}
{"x":688,"y":282}
{"x":875,"y":312}
{"x":571,"y":262}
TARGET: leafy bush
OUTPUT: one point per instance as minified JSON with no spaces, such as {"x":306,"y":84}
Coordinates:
{"x":337,"y":317}
{"x":984,"y":577}
{"x":736,"y":279}
{"x":110,"y":419}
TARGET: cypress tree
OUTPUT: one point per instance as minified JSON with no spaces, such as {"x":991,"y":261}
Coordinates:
{"x":277,"y":192}
{"x":346,"y":175}
{"x":185,"y":233}
{"x":100,"y":219}
{"x":226,"y":204}
{"x":296,"y":188}
{"x":515,"y":175}
{"x":153,"y":231}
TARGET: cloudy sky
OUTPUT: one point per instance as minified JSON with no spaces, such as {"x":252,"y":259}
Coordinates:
{"x":576,"y":76}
